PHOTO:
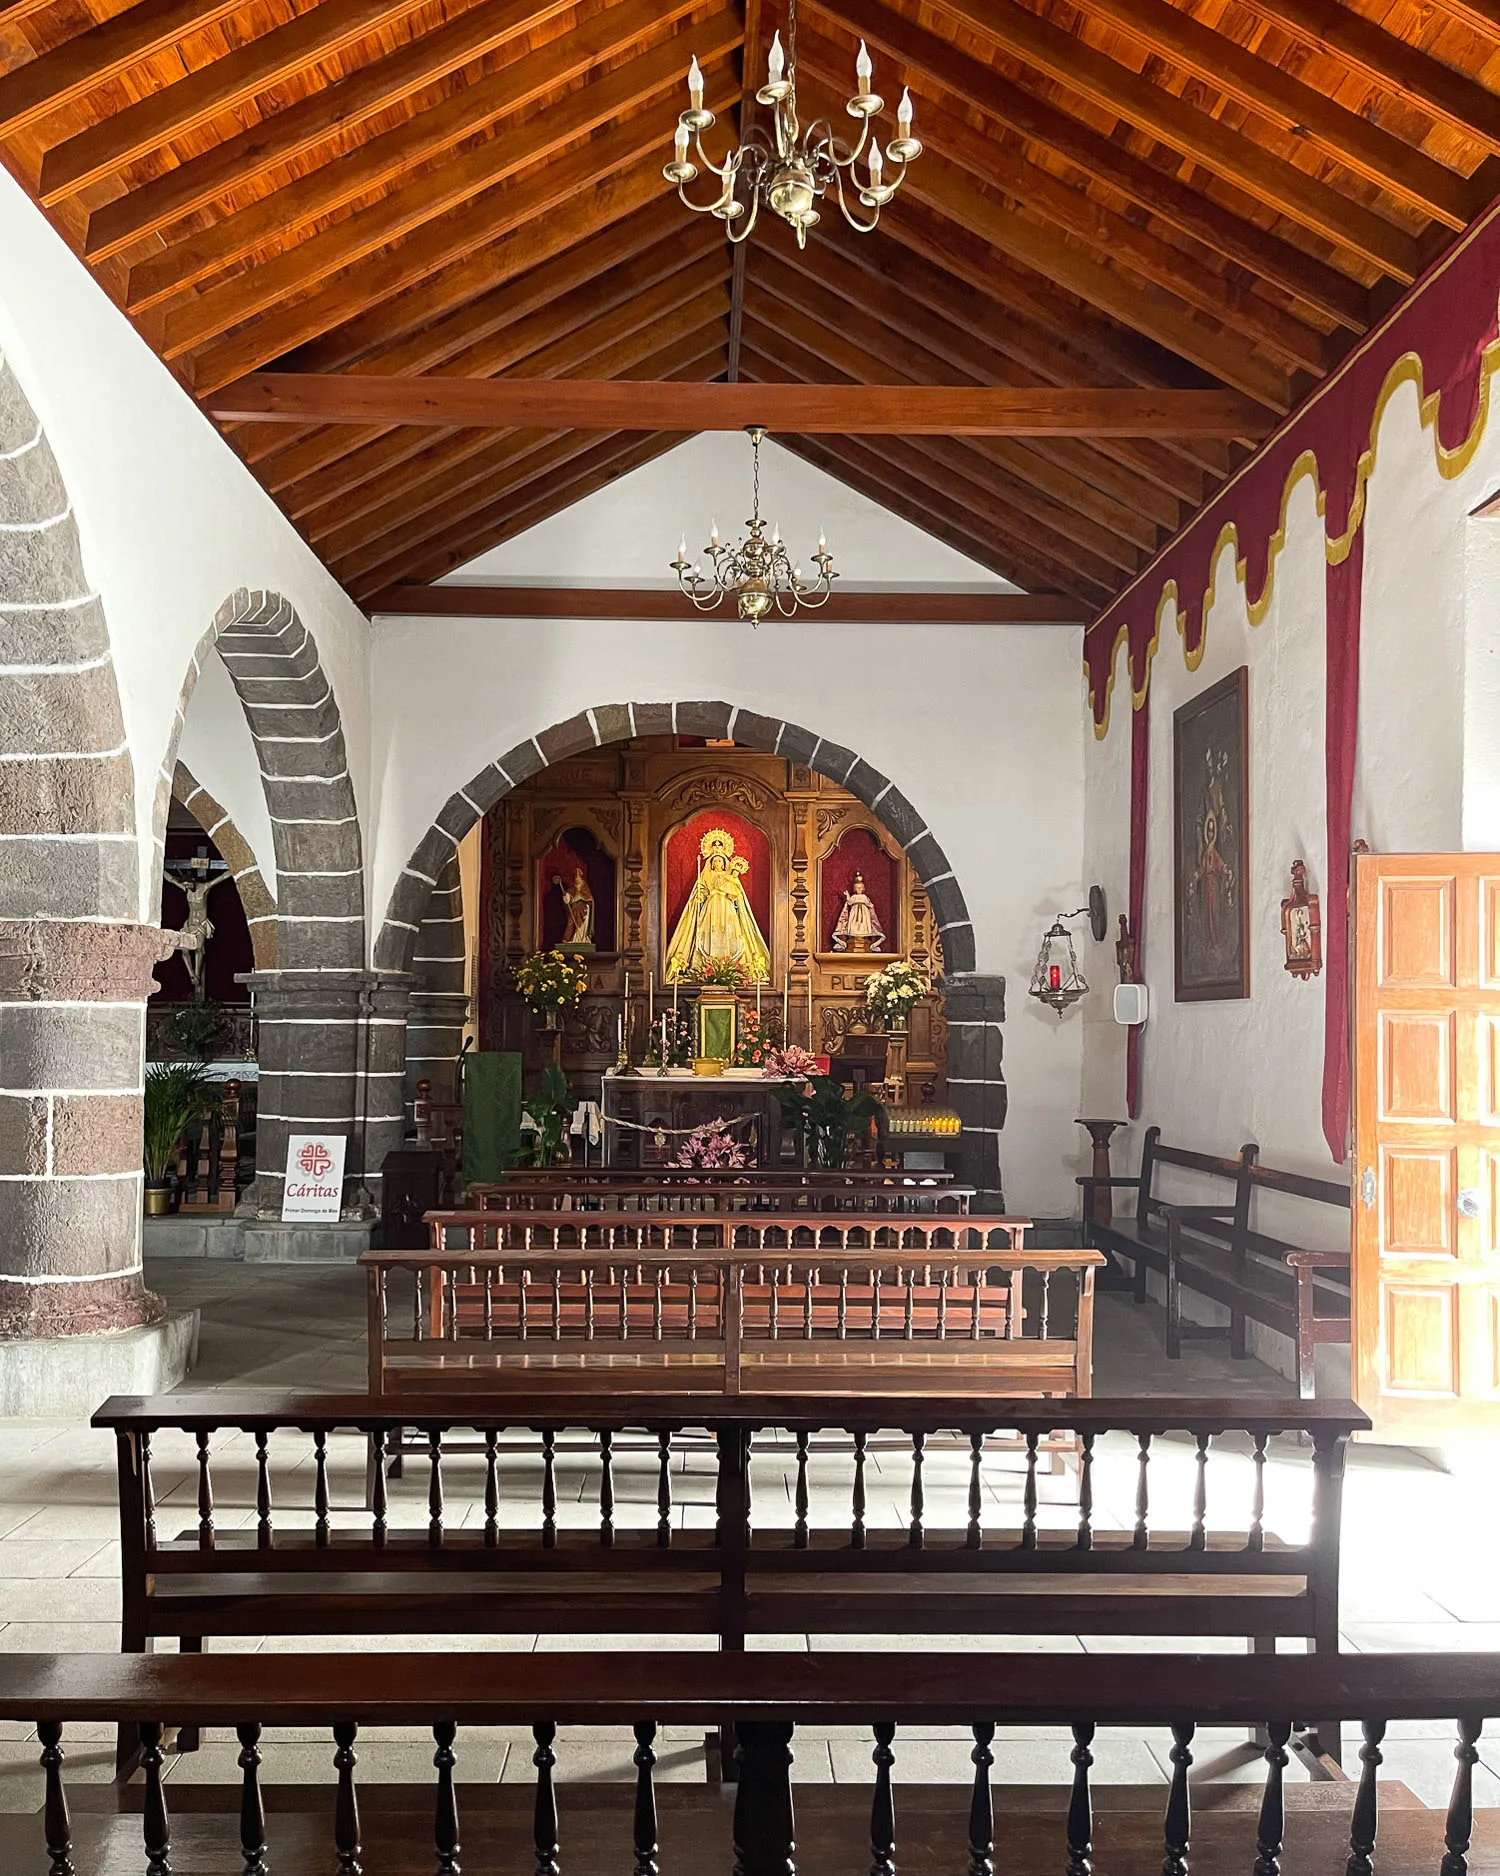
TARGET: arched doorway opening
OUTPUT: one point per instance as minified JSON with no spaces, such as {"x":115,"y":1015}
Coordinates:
{"x":973,"y":1006}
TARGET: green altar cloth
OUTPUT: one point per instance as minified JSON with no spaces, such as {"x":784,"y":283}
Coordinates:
{"x":492,"y":1113}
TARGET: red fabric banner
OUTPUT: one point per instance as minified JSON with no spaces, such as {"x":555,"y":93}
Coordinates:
{"x":1140,"y":773}
{"x":1341,"y":741}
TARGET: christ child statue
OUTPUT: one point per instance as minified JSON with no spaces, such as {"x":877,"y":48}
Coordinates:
{"x":858,"y":927}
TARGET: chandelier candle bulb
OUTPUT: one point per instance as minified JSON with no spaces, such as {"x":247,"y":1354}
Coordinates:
{"x":680,"y":143}
{"x":876,"y":165}
{"x":864,"y":69}
{"x":695,"y":85}
{"x":775,"y":61}
{"x":904,"y":113}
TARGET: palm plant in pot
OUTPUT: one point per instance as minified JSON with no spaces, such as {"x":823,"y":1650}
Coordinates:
{"x":175,"y":1094}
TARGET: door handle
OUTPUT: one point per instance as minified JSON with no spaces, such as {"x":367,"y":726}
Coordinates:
{"x":1469,"y":1202}
{"x":1367,"y":1188}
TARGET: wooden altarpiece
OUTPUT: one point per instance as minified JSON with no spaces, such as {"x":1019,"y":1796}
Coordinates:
{"x":630,"y":798}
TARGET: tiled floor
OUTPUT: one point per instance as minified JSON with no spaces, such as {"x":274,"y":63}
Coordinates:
{"x":1419,"y":1545}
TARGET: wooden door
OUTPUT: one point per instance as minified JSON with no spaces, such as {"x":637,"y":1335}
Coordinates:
{"x":1427,"y":1143}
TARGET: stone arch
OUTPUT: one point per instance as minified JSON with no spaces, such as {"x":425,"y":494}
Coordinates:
{"x":255,"y":895}
{"x":323,"y":1048}
{"x":612,"y":723}
{"x":75,"y":963}
{"x":974,"y":1005}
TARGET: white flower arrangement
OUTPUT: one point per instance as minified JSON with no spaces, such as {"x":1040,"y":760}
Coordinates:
{"x":891,"y":993}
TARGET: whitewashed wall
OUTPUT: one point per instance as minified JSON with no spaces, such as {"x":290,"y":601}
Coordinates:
{"x":171,"y":521}
{"x":216,"y":742}
{"x":980,"y":727}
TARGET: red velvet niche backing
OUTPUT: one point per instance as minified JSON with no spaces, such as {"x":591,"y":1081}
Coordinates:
{"x":858,"y":852}
{"x":680,"y":866}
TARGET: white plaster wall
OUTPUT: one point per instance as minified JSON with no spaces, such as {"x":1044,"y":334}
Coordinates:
{"x":218,"y":748}
{"x":980,"y":727}
{"x":171,"y":521}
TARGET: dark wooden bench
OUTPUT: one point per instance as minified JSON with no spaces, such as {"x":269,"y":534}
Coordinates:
{"x":742,"y":1192}
{"x":784,"y":1563}
{"x":1218,"y":1251}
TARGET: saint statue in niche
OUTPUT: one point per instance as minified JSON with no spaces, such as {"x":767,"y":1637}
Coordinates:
{"x":578,"y":933}
{"x":858,"y":927}
{"x":717,"y":923}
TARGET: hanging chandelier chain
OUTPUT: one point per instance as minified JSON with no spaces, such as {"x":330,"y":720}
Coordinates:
{"x":755,"y":477}
{"x":791,"y":39}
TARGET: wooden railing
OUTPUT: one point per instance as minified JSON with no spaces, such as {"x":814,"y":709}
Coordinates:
{"x":780,"y":1563}
{"x":742,"y":1192}
{"x":766,"y":1699}
{"x":731,"y":1302}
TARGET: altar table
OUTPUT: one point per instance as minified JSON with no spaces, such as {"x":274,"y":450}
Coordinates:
{"x":676,"y":1103}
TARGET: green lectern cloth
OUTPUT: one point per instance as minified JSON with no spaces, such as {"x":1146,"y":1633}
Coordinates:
{"x":492,"y":1114}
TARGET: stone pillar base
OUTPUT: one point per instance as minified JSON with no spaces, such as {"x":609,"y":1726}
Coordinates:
{"x":975,"y":1010}
{"x":252,"y":1241}
{"x":68,"y":1377}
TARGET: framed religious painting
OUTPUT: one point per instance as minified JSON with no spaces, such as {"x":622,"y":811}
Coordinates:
{"x":1211,"y":842}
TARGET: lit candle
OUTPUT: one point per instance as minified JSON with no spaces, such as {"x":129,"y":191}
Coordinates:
{"x":904,"y":114}
{"x":680,"y":143}
{"x":676,"y":983}
{"x":650,"y":998}
{"x":757,"y":999}
{"x":809,"y":1014}
{"x":775,"y":61}
{"x":621,"y":1031}
{"x":876,"y":164}
{"x":786,"y":1010}
{"x":695,"y":85}
{"x":864,"y":68}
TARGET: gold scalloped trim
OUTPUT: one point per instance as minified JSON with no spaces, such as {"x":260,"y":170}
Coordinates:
{"x":1451,"y":463}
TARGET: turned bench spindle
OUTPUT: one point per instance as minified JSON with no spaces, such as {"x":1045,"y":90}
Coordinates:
{"x":1271,"y":1828}
{"x":857,"y":1528}
{"x":148,"y":1493}
{"x":445,"y":1820}
{"x":1459,"y":1826}
{"x":664,"y":1491}
{"x":346,"y":1842}
{"x":549,"y":1491}
{"x":1256,"y":1536}
{"x":643,"y":1821}
{"x":1028,"y":1497}
{"x":1365,"y":1820}
{"x":57,"y":1829}
{"x":435,"y":1486}
{"x":799,"y":1538}
{"x":252,"y":1800}
{"x":607,"y":1489}
{"x":205,"y":1494}
{"x":1177,"y":1828}
{"x":491,"y":1487}
{"x":882,"y":1805}
{"x":1086,"y":1491}
{"x":262,"y":1488}
{"x":1198,"y":1537}
{"x":320,"y":1488}
{"x":544,"y":1814}
{"x":1142,"y":1538}
{"x":974,"y":1535}
{"x":982,"y":1803}
{"x":156,"y":1826}
{"x":1081,"y":1803}
{"x":916,"y":1536}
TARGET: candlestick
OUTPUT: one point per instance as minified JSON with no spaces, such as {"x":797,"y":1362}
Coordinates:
{"x":786,"y":1010}
{"x":810,"y":1048}
{"x":650,"y":998}
{"x":757,"y":999}
{"x":676,"y":986}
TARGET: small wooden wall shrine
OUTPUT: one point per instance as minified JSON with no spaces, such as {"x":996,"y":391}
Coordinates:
{"x":631,"y":817}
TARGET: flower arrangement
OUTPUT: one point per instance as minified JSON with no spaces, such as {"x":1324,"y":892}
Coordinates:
{"x":756,"y":1040}
{"x":551,"y":980}
{"x":712,"y":1145}
{"x":718,"y":974}
{"x":789,"y":1063}
{"x":671,"y":1044}
{"x":891,"y":993}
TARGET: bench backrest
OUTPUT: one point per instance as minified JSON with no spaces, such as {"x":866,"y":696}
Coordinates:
{"x":567,"y":1193}
{"x":1154,"y":1155}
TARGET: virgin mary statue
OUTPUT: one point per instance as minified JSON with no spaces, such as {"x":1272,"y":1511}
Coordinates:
{"x":717,"y":922}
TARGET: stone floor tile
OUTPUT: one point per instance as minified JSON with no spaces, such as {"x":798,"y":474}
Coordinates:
{"x":1406,"y":1637}
{"x":1222,"y":1755}
{"x":73,"y":1521}
{"x":50,"y":1557}
{"x":21,"y":1785}
{"x":69,"y":1599}
{"x":60,"y":1638}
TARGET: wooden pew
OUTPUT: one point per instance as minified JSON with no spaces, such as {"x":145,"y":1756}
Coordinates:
{"x":771,"y":1561}
{"x":1219,"y":1252}
{"x":730,"y":1303}
{"x":563,"y":1189}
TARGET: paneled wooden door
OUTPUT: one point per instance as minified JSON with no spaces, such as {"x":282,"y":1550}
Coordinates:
{"x":1427,"y":1143}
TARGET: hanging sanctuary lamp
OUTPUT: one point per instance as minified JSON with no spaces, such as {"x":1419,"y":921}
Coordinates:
{"x":1057,"y":980}
{"x":789,"y":169}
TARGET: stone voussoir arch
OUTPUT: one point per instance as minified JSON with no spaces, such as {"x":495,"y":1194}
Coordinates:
{"x":395,"y":945}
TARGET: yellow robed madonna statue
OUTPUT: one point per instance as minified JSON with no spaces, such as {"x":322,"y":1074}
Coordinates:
{"x":717,"y":921}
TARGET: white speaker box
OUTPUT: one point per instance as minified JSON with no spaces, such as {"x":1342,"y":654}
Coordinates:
{"x":1130,"y":1004}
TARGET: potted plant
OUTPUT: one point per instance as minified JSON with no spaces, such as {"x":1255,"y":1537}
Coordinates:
{"x":825,"y":1116}
{"x":551,"y":982}
{"x":191,"y":1030}
{"x":891,"y":994}
{"x":175,"y":1094}
{"x":712,"y":1145}
{"x":543,"y":1140}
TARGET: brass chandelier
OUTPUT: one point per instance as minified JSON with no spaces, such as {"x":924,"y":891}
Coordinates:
{"x":790,"y":169}
{"x":759,"y":572}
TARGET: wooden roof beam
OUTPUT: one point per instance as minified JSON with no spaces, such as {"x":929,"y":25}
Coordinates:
{"x":867,"y":297}
{"x":1160,"y":193}
{"x":612,"y":347}
{"x":899,"y":410}
{"x":503,"y":107}
{"x":749,"y":82}
{"x":612,"y":173}
{"x":949,"y":465}
{"x":1450,"y":96}
{"x":1239,"y":159}
{"x":452,"y":184}
{"x":322,"y":116}
{"x":1113,"y":239}
{"x":186,"y":103}
{"x":1281,"y":99}
{"x":632,"y":603}
{"x":45,"y":84}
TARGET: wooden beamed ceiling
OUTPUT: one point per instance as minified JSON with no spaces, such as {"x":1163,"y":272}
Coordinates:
{"x":1116,"y":195}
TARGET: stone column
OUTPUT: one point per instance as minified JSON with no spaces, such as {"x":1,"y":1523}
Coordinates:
{"x":72,"y":1047}
{"x":439,"y":1005}
{"x":310,"y":1050}
{"x":388,"y":995}
{"x":975,"y":1009}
